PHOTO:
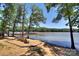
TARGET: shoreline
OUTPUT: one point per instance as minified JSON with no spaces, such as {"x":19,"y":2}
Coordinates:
{"x":35,"y":45}
{"x":40,"y":32}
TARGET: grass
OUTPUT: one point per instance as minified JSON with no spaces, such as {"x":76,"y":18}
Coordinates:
{"x":38,"y":50}
{"x":35,"y":48}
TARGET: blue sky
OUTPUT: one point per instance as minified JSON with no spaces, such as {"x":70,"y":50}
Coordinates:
{"x":50,"y":17}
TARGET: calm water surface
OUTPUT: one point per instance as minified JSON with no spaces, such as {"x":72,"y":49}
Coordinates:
{"x":58,"y":38}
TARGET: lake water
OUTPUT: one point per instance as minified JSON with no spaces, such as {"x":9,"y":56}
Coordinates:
{"x":58,"y":38}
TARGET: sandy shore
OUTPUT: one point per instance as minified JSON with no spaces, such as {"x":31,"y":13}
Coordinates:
{"x":10,"y":46}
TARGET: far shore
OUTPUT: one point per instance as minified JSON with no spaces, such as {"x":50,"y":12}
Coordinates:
{"x":38,"y":32}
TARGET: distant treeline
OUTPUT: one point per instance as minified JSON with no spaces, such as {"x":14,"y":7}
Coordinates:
{"x":43,"y":29}
{"x":53,"y":30}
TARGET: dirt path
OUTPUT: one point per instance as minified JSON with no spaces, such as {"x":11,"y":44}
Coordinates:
{"x":13,"y":47}
{"x":6,"y":48}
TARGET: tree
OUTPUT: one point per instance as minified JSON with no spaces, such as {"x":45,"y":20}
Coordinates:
{"x":7,"y":16}
{"x":15,"y":18}
{"x":3,"y":19}
{"x":67,"y":11}
{"x":35,"y":18}
{"x":11,"y":11}
{"x":12,"y":14}
{"x":21,"y":16}
{"x":24,"y":18}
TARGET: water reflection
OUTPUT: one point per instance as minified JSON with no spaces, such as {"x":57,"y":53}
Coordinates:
{"x":58,"y":38}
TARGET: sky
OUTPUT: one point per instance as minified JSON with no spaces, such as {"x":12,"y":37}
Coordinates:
{"x":50,"y":16}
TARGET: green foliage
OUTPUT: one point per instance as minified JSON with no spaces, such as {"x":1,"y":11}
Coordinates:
{"x":65,"y":10}
{"x":37,"y":16}
{"x":49,"y":5}
{"x":6,"y":16}
{"x":11,"y":14}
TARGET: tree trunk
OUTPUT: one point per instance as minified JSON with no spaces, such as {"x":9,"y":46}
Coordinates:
{"x":23,"y":28}
{"x":3,"y":34}
{"x":29,"y":28}
{"x":8,"y":29}
{"x":8,"y":33}
{"x":23,"y":20}
{"x":78,"y":29}
{"x":3,"y":29}
{"x":71,"y":34}
{"x":13,"y":28}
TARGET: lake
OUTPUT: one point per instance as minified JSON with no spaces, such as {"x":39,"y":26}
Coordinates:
{"x":58,"y":38}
